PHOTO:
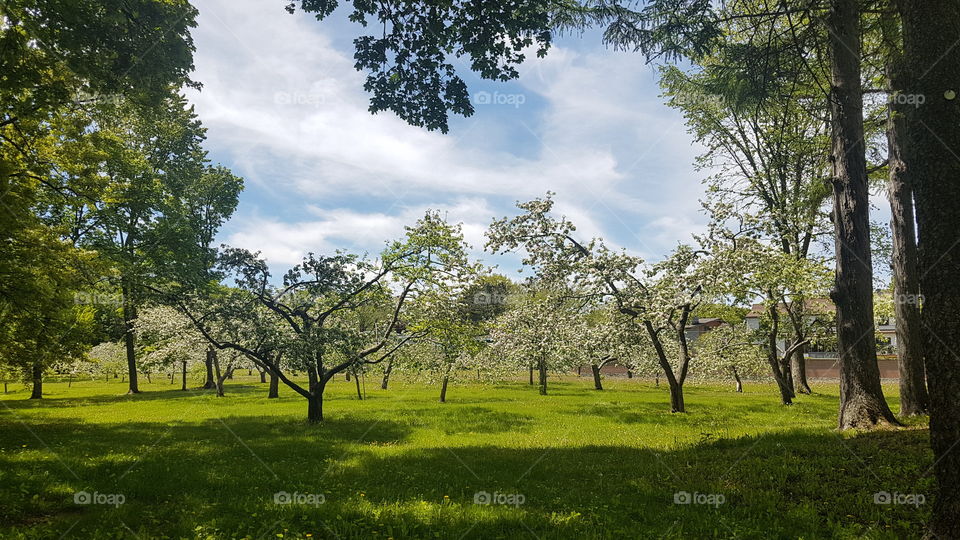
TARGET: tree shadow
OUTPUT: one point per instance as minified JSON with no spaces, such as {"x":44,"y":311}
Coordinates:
{"x":222,"y":477}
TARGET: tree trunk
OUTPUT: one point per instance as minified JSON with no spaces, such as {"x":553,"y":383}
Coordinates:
{"x":931,"y":32}
{"x":274,"y":391}
{"x":129,"y":339}
{"x":862,"y":404}
{"x":210,"y":383}
{"x":315,"y":408}
{"x":348,"y":376}
{"x":386,"y":374}
{"x":786,"y":370}
{"x":676,"y":397}
{"x":443,"y":389}
{"x":356,"y":378}
{"x":219,"y":377}
{"x":542,"y":368}
{"x":801,"y":385}
{"x":531,"y":374}
{"x":597,"y":385}
{"x":736,"y":376}
{"x":914,"y":399}
{"x":183,"y":370}
{"x":36,"y":376}
{"x":263,"y":376}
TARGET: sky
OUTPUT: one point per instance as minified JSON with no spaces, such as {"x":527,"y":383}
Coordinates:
{"x":286,"y":110}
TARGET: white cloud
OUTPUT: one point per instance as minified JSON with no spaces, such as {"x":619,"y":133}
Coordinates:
{"x":285,"y":108}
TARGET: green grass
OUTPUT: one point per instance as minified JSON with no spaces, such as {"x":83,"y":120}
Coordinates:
{"x":399,"y":464}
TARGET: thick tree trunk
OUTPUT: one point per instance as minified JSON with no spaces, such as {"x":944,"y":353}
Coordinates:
{"x":542,"y":368}
{"x":862,"y":404}
{"x":315,"y":408}
{"x":676,"y":397}
{"x":36,"y":376}
{"x":906,"y":278}
{"x":129,"y":338}
{"x":386,"y":374}
{"x":210,"y":383}
{"x":274,"y":391}
{"x":183,"y":370}
{"x":736,"y":376}
{"x":596,"y":377}
{"x":801,"y":386}
{"x":263,"y":376}
{"x":931,"y":34}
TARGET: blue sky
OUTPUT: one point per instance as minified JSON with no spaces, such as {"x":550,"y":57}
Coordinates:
{"x":285,"y":109}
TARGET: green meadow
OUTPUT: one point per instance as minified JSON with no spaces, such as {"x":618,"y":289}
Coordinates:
{"x":495,"y":461}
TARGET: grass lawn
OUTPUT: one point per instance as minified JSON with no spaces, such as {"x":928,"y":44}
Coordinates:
{"x":576,"y":463}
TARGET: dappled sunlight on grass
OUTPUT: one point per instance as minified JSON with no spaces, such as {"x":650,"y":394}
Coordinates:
{"x":576,"y":462}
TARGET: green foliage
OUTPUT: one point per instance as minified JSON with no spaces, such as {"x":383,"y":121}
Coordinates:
{"x":410,"y":58}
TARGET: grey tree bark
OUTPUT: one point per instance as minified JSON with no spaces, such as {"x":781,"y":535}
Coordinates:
{"x":862,"y":403}
{"x":931,"y":33}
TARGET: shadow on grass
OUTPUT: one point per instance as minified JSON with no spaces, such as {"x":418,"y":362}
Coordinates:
{"x":219,"y":479}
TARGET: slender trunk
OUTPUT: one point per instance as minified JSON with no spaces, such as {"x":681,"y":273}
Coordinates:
{"x":531,"y":374}
{"x":862,"y":404}
{"x":219,"y":377}
{"x":173,"y":375}
{"x":629,"y":374}
{"x":129,"y":338}
{"x":210,"y":383}
{"x":348,"y":376}
{"x":736,"y":376}
{"x":800,"y":371}
{"x":914,"y":399}
{"x":37,"y":378}
{"x":597,"y":385}
{"x":386,"y":374}
{"x":263,"y":376}
{"x":148,"y":377}
{"x":773,"y":352}
{"x":183,"y":370}
{"x":931,"y":32}
{"x":356,"y":378}
{"x":542,"y":368}
{"x":443,"y":389}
